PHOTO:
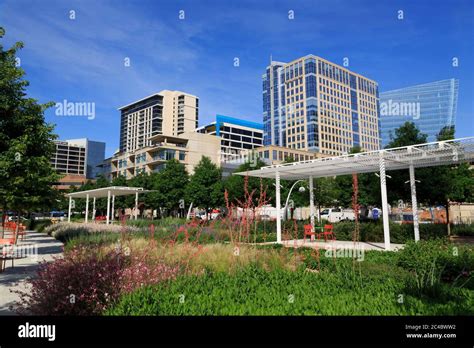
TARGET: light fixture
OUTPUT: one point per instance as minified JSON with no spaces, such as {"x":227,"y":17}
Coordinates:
{"x":378,"y":176}
{"x":418,"y":181}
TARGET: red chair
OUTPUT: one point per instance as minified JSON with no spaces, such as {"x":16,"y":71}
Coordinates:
{"x":308,"y":231}
{"x":6,"y":244}
{"x":21,"y":231}
{"x":328,"y":233}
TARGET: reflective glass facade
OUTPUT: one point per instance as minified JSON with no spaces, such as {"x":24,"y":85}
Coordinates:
{"x":315,"y":105}
{"x":431,"y":106}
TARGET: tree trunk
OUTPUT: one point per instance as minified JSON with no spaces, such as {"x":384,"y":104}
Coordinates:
{"x":319,"y":212}
{"x":447,"y":217}
{"x":17,"y":227}
{"x":3,"y":222}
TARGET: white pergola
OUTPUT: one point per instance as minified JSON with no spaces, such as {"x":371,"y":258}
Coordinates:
{"x":110,"y":193}
{"x":409,"y":157}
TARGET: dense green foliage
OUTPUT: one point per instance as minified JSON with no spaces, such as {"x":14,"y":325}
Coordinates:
{"x":26,"y":141}
{"x":38,"y":225}
{"x":253,"y":291}
{"x":436,"y":261}
{"x":204,"y":189}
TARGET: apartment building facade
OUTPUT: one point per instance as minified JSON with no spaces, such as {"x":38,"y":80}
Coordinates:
{"x":237,"y":136}
{"x":187,"y":148}
{"x":167,"y":112}
{"x":430,"y":106}
{"x":315,"y":105}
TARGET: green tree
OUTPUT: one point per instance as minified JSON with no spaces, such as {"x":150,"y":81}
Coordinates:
{"x":438,"y":184}
{"x":205,"y":189}
{"x":26,"y":141}
{"x":140,"y":180}
{"x":442,"y":184}
{"x":325,"y":192}
{"x":101,"y":181}
{"x":235,"y":184}
{"x":170,"y":185}
{"x":407,"y":134}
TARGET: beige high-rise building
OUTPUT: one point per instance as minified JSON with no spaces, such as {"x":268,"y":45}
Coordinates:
{"x":187,"y":148}
{"x":315,"y":105}
{"x":168,"y":113}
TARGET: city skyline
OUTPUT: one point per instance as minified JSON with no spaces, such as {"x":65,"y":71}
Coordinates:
{"x":83,"y":59}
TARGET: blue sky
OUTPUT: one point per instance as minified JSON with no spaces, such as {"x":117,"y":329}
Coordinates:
{"x":82,"y":60}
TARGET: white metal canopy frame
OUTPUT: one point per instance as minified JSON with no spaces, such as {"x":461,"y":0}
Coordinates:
{"x":110,"y":193}
{"x":408,"y":157}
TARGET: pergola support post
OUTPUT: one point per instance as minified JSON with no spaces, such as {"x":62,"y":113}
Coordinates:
{"x":113,"y":207}
{"x":93,"y":209}
{"x":383,"y":190}
{"x":107,"y":220}
{"x":136,"y":205}
{"x":278,"y":206}
{"x":87,"y":209}
{"x":311,"y":202}
{"x":69,"y":210}
{"x":414,"y":203}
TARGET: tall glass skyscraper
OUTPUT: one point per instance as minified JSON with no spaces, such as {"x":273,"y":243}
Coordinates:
{"x":431,"y":106}
{"x":315,"y":105}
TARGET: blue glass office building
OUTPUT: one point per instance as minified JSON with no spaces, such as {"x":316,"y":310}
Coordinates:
{"x":431,"y":106}
{"x":314,"y":105}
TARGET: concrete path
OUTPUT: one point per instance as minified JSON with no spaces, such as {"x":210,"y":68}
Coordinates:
{"x":297,"y":243}
{"x":35,"y":248}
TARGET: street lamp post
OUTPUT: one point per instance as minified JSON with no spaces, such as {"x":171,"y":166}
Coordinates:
{"x":301,"y":189}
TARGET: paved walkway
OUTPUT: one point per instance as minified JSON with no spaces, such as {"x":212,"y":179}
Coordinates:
{"x":14,"y":278}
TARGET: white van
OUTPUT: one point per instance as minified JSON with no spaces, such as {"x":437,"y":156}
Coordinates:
{"x":337,"y":214}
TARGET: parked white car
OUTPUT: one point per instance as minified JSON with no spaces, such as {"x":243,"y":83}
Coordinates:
{"x":204,"y":215}
{"x":337,"y":214}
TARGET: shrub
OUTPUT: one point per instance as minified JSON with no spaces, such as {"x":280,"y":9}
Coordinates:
{"x":168,"y":222}
{"x":89,"y":279}
{"x":254,"y":291}
{"x":463,"y":229}
{"x":81,"y":283}
{"x":38,"y":225}
{"x":435,"y":261}
{"x":65,"y":231}
{"x":140,"y":274}
{"x":93,"y":240}
{"x":216,"y":257}
{"x":399,"y":233}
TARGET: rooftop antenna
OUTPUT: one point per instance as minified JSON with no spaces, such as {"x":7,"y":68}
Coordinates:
{"x":271,"y":59}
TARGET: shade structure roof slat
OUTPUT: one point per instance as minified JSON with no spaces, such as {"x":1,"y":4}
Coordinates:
{"x":103,"y":192}
{"x":423,"y":155}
